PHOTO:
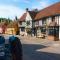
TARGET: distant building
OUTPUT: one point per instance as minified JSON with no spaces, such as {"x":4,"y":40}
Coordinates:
{"x":26,"y":22}
{"x":3,"y":27}
{"x":12,"y":28}
{"x":45,"y":21}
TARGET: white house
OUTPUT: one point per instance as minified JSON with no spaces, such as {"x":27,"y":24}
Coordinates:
{"x":26,"y":22}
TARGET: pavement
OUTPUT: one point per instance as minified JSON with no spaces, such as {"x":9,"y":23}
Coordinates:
{"x":40,"y":49}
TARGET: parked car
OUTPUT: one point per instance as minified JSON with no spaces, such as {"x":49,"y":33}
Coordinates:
{"x":16,"y":48}
{"x":12,"y":50}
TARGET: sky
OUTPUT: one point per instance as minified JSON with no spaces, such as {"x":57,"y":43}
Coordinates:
{"x":12,"y":8}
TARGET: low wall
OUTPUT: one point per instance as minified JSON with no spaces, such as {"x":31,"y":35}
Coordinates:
{"x":53,"y":38}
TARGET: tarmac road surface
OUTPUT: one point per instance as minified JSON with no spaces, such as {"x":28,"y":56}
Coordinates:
{"x":46,"y":50}
{"x":33,"y":50}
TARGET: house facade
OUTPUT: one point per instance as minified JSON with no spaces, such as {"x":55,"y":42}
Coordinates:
{"x":26,"y":22}
{"x":22,"y":24}
{"x":12,"y":28}
{"x":48,"y":20}
{"x":45,"y":21}
{"x":22,"y":28}
{"x":59,"y":27}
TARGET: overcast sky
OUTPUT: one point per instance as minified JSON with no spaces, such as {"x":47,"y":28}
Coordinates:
{"x":12,"y":8}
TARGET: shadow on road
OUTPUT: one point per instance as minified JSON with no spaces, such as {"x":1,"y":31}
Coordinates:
{"x":30,"y":51}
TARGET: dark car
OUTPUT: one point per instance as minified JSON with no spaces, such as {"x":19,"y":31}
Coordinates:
{"x":2,"y":48}
{"x":16,"y":48}
{"x":12,"y":50}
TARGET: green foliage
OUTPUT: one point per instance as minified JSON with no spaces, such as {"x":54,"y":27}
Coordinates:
{"x":16,"y":18}
{"x":5,"y":20}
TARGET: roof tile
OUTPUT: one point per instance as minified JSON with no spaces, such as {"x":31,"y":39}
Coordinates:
{"x":49,"y":11}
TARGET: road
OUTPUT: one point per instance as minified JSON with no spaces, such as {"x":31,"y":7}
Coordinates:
{"x":45,"y":50}
{"x":35,"y":50}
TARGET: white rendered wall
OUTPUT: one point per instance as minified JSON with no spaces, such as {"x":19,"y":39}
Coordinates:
{"x":56,"y":19}
{"x":48,"y":20}
{"x":28,"y":18}
{"x":40,"y":22}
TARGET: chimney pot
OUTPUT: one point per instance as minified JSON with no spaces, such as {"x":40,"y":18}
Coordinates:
{"x":27,"y":9}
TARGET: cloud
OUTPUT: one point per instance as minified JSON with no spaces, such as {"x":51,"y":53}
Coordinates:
{"x":24,"y":1}
{"x":10,"y":11}
{"x":41,"y":4}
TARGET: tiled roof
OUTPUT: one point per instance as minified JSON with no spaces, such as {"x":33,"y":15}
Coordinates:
{"x":32,"y":14}
{"x":49,"y":11}
{"x":23,"y":17}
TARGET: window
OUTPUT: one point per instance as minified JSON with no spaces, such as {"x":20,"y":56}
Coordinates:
{"x":22,"y":29}
{"x":36,"y":23}
{"x":43,"y":30}
{"x":28,"y":22}
{"x":44,"y":22}
{"x":53,"y":31}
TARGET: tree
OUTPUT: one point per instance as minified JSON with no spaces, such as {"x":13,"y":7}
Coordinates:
{"x":5,"y":20}
{"x":16,"y":18}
